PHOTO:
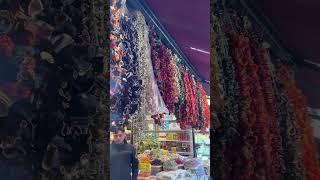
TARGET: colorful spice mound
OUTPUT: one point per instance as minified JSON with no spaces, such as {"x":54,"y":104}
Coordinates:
{"x":170,"y":165}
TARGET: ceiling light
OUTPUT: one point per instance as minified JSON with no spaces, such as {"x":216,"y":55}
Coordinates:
{"x":199,"y":50}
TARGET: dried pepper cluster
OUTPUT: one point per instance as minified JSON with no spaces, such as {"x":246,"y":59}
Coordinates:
{"x":300,"y":113}
{"x":181,"y":92}
{"x":265,"y":130}
{"x":147,"y":78}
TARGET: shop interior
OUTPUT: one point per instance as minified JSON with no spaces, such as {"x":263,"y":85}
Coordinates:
{"x":260,"y":120}
{"x":171,"y":134}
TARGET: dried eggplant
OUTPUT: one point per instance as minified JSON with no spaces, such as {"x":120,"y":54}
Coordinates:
{"x":54,"y":33}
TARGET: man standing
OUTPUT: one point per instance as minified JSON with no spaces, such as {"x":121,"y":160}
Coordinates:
{"x":123,"y":159}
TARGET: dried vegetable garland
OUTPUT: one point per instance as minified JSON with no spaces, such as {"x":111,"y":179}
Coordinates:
{"x":193,"y":97}
{"x":262,"y":124}
{"x":178,"y":87}
{"x":174,"y":74}
{"x":165,"y":61}
{"x":181,"y":96}
{"x":308,"y":149}
{"x":205,"y":113}
{"x":131,"y":53}
{"x":188,"y":113}
{"x":184,"y":121}
{"x":116,"y":64}
{"x":226,"y":136}
{"x":275,"y":139}
{"x":59,"y":64}
{"x":150,"y":102}
{"x":132,"y":82}
{"x":243,"y":62}
{"x":292,"y":167}
{"x":166,"y":75}
{"x":262,"y":59}
{"x":200,"y":114}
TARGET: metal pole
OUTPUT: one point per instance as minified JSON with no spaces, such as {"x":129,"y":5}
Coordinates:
{"x":193,"y":144}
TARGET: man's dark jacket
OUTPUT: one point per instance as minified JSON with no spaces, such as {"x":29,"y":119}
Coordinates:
{"x":123,"y":161}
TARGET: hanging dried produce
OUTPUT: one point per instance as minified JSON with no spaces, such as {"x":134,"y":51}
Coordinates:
{"x":132,"y":82}
{"x":292,"y":160}
{"x":175,"y":76}
{"x":226,"y":135}
{"x":116,"y":64}
{"x":205,"y":106}
{"x":262,"y":59}
{"x":304,"y":128}
{"x":166,"y":74}
{"x":200,"y":113}
{"x":262,"y":113}
{"x":188,"y":113}
{"x":150,"y":102}
{"x":241,"y":54}
{"x":160,"y":60}
{"x":194,"y":104}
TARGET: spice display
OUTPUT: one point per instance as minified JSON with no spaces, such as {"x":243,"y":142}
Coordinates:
{"x":177,"y":174}
{"x":144,"y":158}
{"x":178,"y":161}
{"x":191,"y":163}
{"x":170,"y":165}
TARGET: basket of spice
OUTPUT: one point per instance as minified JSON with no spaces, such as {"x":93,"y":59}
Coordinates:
{"x":156,"y":166}
{"x":170,"y":165}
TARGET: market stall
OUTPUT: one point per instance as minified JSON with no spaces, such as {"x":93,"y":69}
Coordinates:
{"x":156,"y":95}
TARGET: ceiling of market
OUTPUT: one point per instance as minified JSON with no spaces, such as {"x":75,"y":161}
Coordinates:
{"x":187,"y":21}
{"x":297,"y":24}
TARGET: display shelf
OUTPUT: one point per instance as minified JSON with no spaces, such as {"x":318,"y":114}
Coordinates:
{"x":161,"y":134}
{"x":173,"y":130}
{"x":207,"y":132}
{"x":165,"y":140}
{"x":203,"y":151}
{"x":183,"y":152}
{"x":163,"y":131}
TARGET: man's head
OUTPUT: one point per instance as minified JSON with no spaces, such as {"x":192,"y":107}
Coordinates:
{"x":119,"y":135}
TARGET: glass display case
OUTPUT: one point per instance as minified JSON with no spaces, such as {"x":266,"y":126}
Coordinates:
{"x":170,"y":137}
{"x":202,"y":146}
